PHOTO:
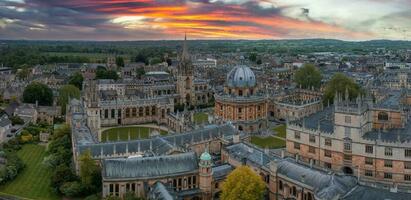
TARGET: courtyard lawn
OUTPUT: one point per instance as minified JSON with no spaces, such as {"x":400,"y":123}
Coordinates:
{"x":281,"y":130}
{"x":135,"y":133}
{"x":200,"y":117}
{"x":267,"y":142}
{"x":34,"y":181}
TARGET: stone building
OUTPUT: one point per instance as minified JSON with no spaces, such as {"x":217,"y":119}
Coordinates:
{"x":295,"y":104}
{"x":370,"y":140}
{"x":194,"y":164}
{"x":242,"y":102}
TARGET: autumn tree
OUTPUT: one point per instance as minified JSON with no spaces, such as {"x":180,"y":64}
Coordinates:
{"x":243,"y":184}
{"x":308,"y":76}
{"x":340,"y":83}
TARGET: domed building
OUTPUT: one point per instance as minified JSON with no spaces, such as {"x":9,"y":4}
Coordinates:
{"x":242,"y":102}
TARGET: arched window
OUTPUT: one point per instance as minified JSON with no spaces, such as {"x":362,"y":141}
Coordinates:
{"x":294,"y":191}
{"x":280,"y":185}
{"x":240,"y":128}
{"x":383,"y":116}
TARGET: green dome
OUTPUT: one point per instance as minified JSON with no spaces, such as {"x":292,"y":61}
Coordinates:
{"x":205,"y":156}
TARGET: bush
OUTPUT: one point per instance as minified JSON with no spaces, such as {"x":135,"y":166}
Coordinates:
{"x":13,"y":166}
{"x":72,"y":189}
{"x":26,"y":138}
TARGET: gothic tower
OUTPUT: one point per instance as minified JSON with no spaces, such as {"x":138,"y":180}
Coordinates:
{"x":185,"y":77}
{"x":92,"y":106}
{"x":206,"y":175}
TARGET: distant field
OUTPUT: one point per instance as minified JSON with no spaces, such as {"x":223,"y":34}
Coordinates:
{"x":122,"y":132}
{"x":267,"y":142}
{"x":200,"y":117}
{"x":34,"y":181}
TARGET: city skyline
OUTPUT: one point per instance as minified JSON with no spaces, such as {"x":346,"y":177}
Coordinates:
{"x":204,"y":19}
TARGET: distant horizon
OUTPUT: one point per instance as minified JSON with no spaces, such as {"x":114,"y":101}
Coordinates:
{"x":200,"y":39}
{"x":142,"y":20}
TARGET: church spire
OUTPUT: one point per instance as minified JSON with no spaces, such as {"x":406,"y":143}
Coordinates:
{"x":185,"y":55}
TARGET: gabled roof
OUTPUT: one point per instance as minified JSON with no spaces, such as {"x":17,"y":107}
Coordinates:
{"x":149,"y":167}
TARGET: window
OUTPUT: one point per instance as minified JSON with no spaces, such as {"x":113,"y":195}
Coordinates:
{"x":369,"y":161}
{"x":347,"y":157}
{"x":239,"y":110}
{"x":327,"y":165}
{"x":388,"y":163}
{"x":348,"y":119}
{"x":383,"y":116}
{"x":297,"y":135}
{"x":368,"y":148}
{"x":327,"y":153}
{"x":368,"y":173}
{"x":311,"y":149}
{"x":280,"y":185}
{"x":328,"y":142}
{"x":347,"y":146}
{"x":388,"y":175}
{"x":112,"y":113}
{"x":347,"y":132}
{"x":312,"y":138}
{"x":407,"y":165}
{"x":296,"y":145}
{"x":407,"y":153}
{"x":407,"y":177}
{"x":388,"y":151}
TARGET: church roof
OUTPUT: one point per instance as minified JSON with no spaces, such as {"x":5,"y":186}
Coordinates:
{"x":149,"y":167}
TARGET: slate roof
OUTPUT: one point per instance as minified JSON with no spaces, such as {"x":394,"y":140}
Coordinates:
{"x":325,"y":185}
{"x":245,"y":152}
{"x":149,"y":167}
{"x":365,"y":192}
{"x":160,"y":192}
{"x":220,"y":172}
{"x":162,"y":144}
{"x":4,"y":121}
{"x":324,"y":118}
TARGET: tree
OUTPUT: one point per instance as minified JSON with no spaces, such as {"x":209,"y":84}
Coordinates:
{"x":90,"y":173}
{"x":23,"y":74}
{"x":76,"y":80}
{"x":120,"y":61}
{"x":340,"y":83}
{"x":140,"y":72}
{"x":253,"y":57}
{"x":103,"y":73}
{"x":61,"y":175}
{"x":243,"y":184}
{"x":16,"y":120}
{"x":308,"y":76}
{"x":65,"y":94}
{"x":38,"y":92}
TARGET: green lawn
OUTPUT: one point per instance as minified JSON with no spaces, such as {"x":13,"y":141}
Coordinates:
{"x":34,"y":181}
{"x":269,"y":142}
{"x":135,"y":133}
{"x":281,"y":130}
{"x":200,"y":117}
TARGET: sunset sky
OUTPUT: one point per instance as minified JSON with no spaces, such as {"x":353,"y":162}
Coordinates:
{"x":204,"y":19}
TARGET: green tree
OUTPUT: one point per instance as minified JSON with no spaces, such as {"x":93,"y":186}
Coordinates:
{"x":90,"y":173}
{"x":140,"y":72}
{"x":61,"y":175}
{"x":308,"y":76}
{"x":65,"y":94}
{"x":23,"y":74}
{"x":76,"y":80}
{"x":252,"y":57}
{"x":120,"y":61}
{"x":38,"y":92}
{"x":103,"y":73}
{"x":16,"y":120}
{"x":340,"y":83}
{"x":243,"y":184}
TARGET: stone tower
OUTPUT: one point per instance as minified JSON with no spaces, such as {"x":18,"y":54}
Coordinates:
{"x":206,"y":175}
{"x":185,"y":77}
{"x":92,"y":104}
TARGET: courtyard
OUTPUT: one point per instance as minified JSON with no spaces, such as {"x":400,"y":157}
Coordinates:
{"x":122,"y":133}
